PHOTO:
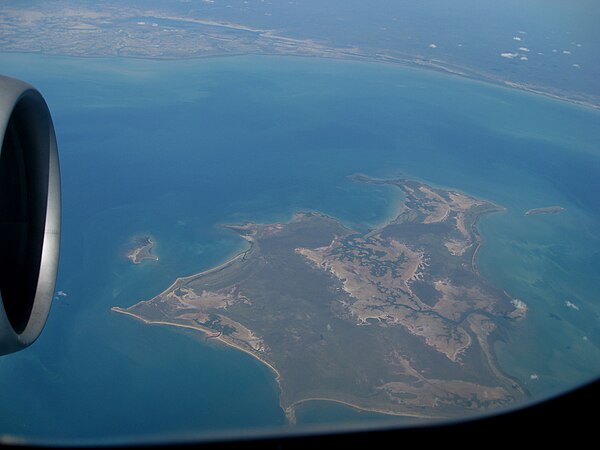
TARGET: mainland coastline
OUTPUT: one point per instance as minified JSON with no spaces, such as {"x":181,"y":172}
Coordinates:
{"x":77,"y":37}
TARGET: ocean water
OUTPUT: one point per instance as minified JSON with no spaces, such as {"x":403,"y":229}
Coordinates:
{"x":174,"y":148}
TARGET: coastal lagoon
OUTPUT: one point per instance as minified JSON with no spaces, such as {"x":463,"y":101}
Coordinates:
{"x":173,"y":149}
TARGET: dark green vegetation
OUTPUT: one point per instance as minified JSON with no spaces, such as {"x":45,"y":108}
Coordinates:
{"x":396,"y":320}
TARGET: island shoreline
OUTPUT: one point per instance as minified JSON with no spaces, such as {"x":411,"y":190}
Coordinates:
{"x":245,"y":232}
{"x":217,"y":336}
{"x":293,"y":406}
{"x":288,"y":410}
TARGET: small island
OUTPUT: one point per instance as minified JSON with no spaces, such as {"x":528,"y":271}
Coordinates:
{"x":545,"y":210}
{"x":396,"y":320}
{"x":142,"y":249}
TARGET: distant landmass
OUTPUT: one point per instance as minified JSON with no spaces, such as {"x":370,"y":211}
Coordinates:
{"x":545,"y":210}
{"x":396,"y":319}
{"x":142,"y":250}
{"x":173,"y":31}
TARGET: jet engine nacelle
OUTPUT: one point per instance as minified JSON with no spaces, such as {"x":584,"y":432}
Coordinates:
{"x":29,"y":214}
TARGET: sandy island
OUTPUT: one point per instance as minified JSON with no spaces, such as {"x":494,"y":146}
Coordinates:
{"x":545,"y":210}
{"x":142,"y":250}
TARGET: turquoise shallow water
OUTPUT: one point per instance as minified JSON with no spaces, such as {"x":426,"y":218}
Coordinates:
{"x":173,"y":149}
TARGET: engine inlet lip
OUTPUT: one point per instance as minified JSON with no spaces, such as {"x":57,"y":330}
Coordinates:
{"x":24,"y":113}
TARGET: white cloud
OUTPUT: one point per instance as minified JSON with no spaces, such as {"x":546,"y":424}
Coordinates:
{"x":61,"y":294}
{"x":577,"y":66}
{"x":554,"y":50}
{"x":524,"y":49}
{"x":517,"y":38}
{"x":432,"y":46}
{"x":522,"y":32}
{"x":534,"y":376}
{"x":566,"y":52}
{"x":571,"y":305}
{"x":578,"y":45}
{"x":509,"y":55}
{"x":524,"y":58}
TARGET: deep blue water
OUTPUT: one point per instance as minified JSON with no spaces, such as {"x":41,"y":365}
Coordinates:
{"x":174,"y":148}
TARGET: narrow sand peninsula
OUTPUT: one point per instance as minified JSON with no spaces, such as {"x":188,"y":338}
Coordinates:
{"x":210,"y":334}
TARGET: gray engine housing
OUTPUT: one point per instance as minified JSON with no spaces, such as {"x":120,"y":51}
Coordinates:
{"x":30,"y":214}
